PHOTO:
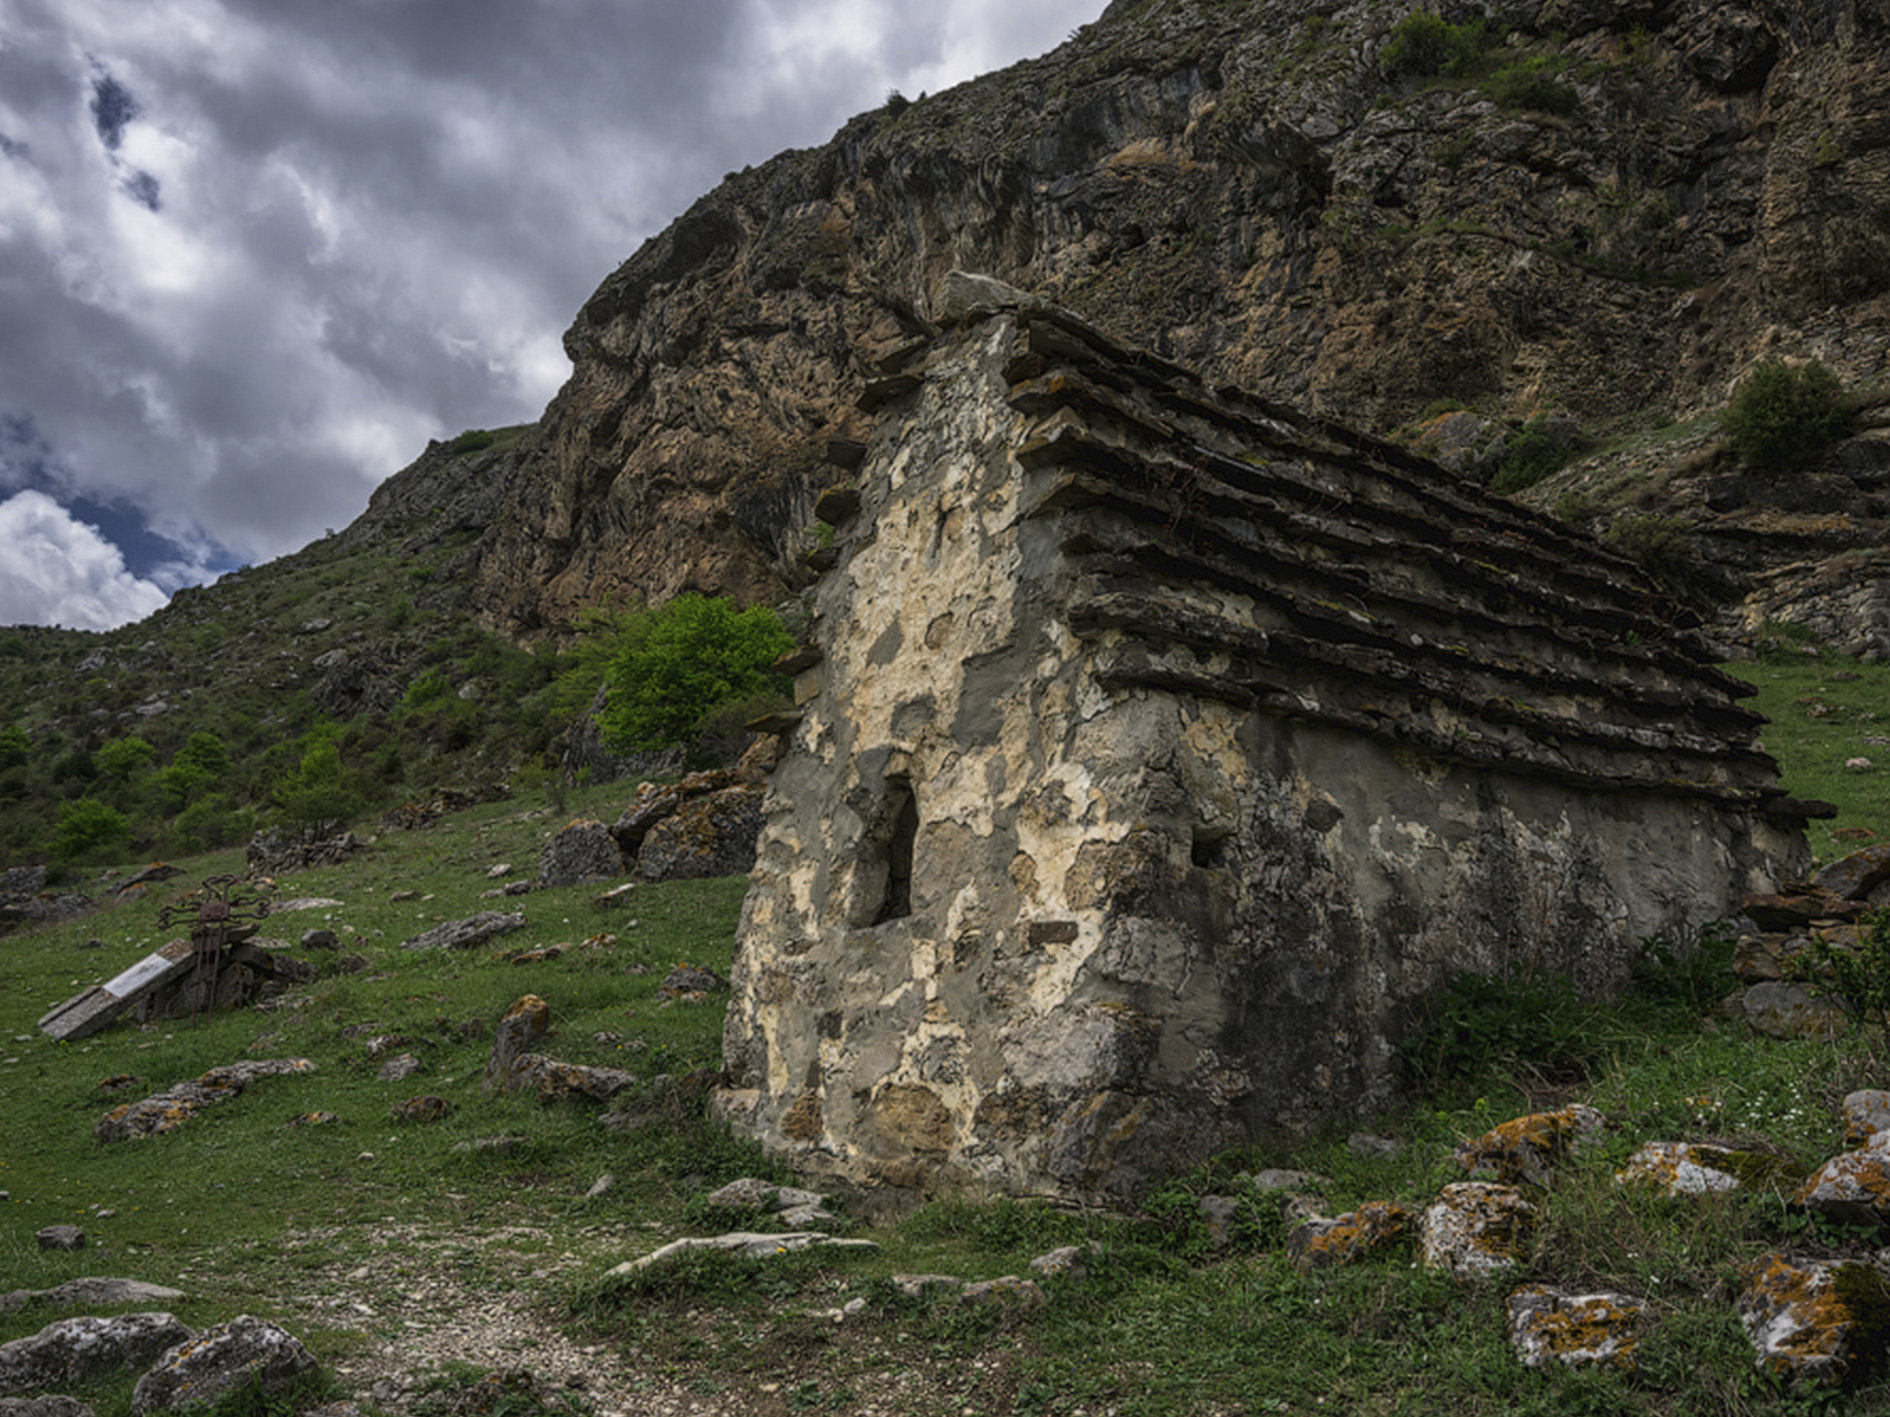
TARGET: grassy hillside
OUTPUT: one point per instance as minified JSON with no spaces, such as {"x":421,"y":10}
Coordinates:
{"x":390,"y":1247}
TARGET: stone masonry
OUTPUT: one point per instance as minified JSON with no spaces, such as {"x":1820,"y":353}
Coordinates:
{"x":1166,"y":748}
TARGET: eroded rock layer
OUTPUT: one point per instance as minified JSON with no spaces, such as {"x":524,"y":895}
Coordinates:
{"x":1168,"y":746}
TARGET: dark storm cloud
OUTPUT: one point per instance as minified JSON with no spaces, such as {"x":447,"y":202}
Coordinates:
{"x":113,"y":108}
{"x":253,"y":255}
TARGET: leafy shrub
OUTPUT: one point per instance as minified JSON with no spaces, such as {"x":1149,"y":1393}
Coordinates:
{"x":121,"y":757}
{"x":473,"y":440}
{"x":697,"y":655}
{"x":212,"y":821}
{"x":1536,"y":452}
{"x":1782,"y":414}
{"x":1658,"y":543}
{"x":429,"y":688}
{"x":1426,"y":45}
{"x":321,"y":796}
{"x":1531,"y":84}
{"x":201,"y":761}
{"x":1859,"y":976}
{"x":87,"y":828}
{"x":1481,"y":1022}
{"x":15,"y":746}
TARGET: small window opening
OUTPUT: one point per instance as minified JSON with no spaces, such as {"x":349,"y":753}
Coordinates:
{"x":904,"y":809}
{"x":1208,"y":850}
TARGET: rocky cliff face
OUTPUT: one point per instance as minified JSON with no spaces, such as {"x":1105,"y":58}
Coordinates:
{"x":1591,"y":209}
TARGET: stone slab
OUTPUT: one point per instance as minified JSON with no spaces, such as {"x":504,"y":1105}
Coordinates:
{"x":85,"y":1014}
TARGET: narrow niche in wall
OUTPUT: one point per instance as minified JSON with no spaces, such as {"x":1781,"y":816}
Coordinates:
{"x":901,"y":832}
{"x":1209,"y":848}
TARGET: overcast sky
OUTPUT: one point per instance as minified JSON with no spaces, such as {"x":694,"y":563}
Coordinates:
{"x":254,"y":254}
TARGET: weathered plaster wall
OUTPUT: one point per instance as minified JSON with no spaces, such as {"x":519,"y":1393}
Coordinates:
{"x":1151,"y":911}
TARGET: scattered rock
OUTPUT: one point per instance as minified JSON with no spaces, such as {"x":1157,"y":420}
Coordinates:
{"x":425,"y":1108}
{"x":47,"y":1405}
{"x":584,"y":851}
{"x":1818,"y":1320}
{"x":713,"y":835}
{"x":519,"y":1033}
{"x":1010,"y":1290}
{"x":320,"y":940}
{"x":398,"y":1069}
{"x":1866,"y":1113}
{"x":61,"y":1237}
{"x":1348,"y":1239}
{"x":1855,"y":876}
{"x":1792,"y":1011}
{"x":603,"y":1185}
{"x":1218,"y":1214}
{"x":1698,"y":1168}
{"x":314,"y":1119}
{"x":1476,"y":1229}
{"x":690,"y":981}
{"x":553,"y":1081}
{"x":243,"y":1353}
{"x":171,"y":1108}
{"x":94,"y":1291}
{"x":926,"y":1286}
{"x":1852,"y":1189}
{"x":744,"y":1243}
{"x":72,"y":1350}
{"x":1576,"y":1330}
{"x":1365,"y":1144}
{"x":464,"y":934}
{"x":277,"y":854}
{"x":1526,"y":1149}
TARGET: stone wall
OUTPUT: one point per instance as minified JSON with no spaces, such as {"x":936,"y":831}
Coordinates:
{"x":1167,"y":749}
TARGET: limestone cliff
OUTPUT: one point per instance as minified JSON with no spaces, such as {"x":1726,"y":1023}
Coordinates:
{"x":1610,"y":208}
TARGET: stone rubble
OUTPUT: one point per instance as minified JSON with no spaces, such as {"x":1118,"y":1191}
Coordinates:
{"x":171,"y":1108}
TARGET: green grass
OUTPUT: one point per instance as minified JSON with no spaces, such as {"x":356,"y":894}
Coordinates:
{"x":248,"y":1214}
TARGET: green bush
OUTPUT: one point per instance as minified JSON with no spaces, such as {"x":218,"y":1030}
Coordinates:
{"x":201,"y":761}
{"x":1534,"y":453}
{"x":321,"y":796}
{"x":1531,"y":84}
{"x":15,"y":746}
{"x":88,"y":828}
{"x":122,"y":757}
{"x":1783,"y":415}
{"x":696,"y":656}
{"x":1427,"y":46}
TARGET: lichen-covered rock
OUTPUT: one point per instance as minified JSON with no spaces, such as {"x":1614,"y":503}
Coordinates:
{"x":71,"y":1350}
{"x":1476,"y":1229}
{"x":713,"y":835}
{"x":464,"y":934}
{"x":1851,"y":1189}
{"x":1866,"y":1113}
{"x":1824,"y":1321}
{"x":520,"y":1032}
{"x":1526,"y":1149}
{"x":745,"y":1243}
{"x":1698,"y":1168}
{"x":584,"y":851}
{"x":177,"y":1105}
{"x":426,"y":1108}
{"x":553,"y":1081}
{"x":1577,"y":1330}
{"x":246,"y":1352}
{"x":1792,"y":1011}
{"x":1347,"y":1239}
{"x":687,"y":980}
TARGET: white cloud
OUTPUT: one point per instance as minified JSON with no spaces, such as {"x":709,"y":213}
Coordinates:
{"x":56,"y":570}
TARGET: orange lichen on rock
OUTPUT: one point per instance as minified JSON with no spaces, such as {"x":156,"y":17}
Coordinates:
{"x":1475,"y":1229}
{"x":1818,"y":1320}
{"x":1347,"y":1239}
{"x":1547,"y":1325}
{"x":1525,"y":1149}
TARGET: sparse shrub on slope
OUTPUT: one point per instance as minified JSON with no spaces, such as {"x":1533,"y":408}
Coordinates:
{"x":1783,"y":414}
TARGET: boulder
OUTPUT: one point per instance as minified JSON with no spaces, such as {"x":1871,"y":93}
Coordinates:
{"x":1824,"y":1321}
{"x":554,"y":1081}
{"x":1855,"y":876}
{"x":227,"y":1358}
{"x":61,"y":1237}
{"x":1476,"y":1229}
{"x":687,"y":980}
{"x":519,"y":1033}
{"x":1792,"y":1011}
{"x":584,"y":851}
{"x":1576,"y":1330}
{"x":1681,"y":1168}
{"x":1852,"y":1189}
{"x":425,"y":1108}
{"x":1866,"y":1112}
{"x":72,"y":1350}
{"x":1526,"y":1149}
{"x":713,"y":835}
{"x":1346,"y":1239}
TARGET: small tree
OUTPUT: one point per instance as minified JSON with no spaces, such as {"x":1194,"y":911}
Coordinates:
{"x":202,"y":760}
{"x":1783,"y":415}
{"x":87,"y":827}
{"x":698,"y":655}
{"x":121,"y":757}
{"x":321,"y":796}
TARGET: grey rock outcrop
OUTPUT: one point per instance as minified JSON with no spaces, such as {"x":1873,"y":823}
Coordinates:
{"x":70,"y":1350}
{"x":464,"y":934}
{"x":245,"y":1352}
